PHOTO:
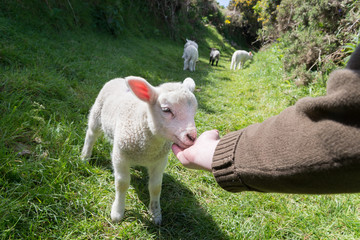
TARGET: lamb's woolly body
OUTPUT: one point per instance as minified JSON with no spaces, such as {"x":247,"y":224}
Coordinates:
{"x":239,"y":58}
{"x":135,"y":137}
{"x":214,"y":56}
{"x":191,"y":55}
{"x":141,"y":131}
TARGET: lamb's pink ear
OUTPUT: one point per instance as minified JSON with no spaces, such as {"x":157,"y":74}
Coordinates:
{"x":142,"y":89}
{"x":250,"y":54}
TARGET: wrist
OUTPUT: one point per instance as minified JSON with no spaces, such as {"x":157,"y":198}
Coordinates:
{"x":223,"y":166}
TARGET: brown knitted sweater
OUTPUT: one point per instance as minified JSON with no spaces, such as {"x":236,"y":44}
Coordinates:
{"x":312,"y":147}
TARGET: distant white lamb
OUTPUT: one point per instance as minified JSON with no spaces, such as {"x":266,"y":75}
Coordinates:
{"x":214,"y":56}
{"x":191,"y":55}
{"x":239,"y":58}
{"x":141,"y":121}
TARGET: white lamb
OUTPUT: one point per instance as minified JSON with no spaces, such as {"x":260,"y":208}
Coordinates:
{"x":214,"y":56}
{"x":191,"y":55}
{"x":141,"y":121}
{"x":239,"y":58}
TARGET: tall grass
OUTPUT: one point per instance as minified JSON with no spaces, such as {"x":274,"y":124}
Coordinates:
{"x":47,"y":85}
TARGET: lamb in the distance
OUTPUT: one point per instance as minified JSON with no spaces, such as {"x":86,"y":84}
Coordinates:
{"x":239,"y":58}
{"x":214,"y":56}
{"x":190,"y":55}
{"x":141,"y":121}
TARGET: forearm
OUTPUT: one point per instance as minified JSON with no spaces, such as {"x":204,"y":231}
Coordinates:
{"x":290,"y":153}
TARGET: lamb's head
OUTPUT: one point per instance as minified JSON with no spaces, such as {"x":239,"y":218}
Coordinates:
{"x":192,"y":43}
{"x":214,"y":52}
{"x":172,"y":108}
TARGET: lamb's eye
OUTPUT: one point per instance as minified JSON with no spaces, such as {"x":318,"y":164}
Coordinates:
{"x":166,"y":110}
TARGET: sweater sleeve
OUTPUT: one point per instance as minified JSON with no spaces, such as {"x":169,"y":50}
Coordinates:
{"x":312,"y":147}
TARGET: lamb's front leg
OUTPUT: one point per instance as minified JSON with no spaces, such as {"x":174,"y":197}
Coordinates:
{"x":122,"y":183}
{"x":155,"y":182}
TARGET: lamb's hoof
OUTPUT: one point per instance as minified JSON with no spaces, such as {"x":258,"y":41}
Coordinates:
{"x":85,"y":161}
{"x":157,"y":219}
{"x":85,"y":158}
{"x":116,"y":216}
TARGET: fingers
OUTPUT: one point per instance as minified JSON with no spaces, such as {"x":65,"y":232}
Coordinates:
{"x":212,"y":134}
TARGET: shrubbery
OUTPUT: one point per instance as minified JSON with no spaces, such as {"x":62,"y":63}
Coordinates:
{"x":176,"y":19}
{"x":183,"y":18}
{"x":312,"y":33}
{"x":315,"y":35}
{"x":241,"y":21}
{"x":116,"y":17}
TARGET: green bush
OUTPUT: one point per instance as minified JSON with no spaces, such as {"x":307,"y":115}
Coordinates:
{"x":312,"y":32}
{"x":57,"y":14}
{"x":350,"y":47}
{"x":113,"y":16}
{"x":184,"y":19}
{"x":241,"y":21}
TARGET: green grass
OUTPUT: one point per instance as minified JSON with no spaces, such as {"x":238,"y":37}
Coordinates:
{"x":48,"y":82}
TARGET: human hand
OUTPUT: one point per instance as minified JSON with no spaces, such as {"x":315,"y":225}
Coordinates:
{"x":199,"y":155}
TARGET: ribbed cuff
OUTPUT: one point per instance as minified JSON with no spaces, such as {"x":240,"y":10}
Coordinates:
{"x":223,"y":166}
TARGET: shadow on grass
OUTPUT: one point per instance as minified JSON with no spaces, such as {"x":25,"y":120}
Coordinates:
{"x":220,"y":67}
{"x":101,"y":162}
{"x":183,"y":216}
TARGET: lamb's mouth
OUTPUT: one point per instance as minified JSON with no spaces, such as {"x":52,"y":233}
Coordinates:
{"x":181,"y":144}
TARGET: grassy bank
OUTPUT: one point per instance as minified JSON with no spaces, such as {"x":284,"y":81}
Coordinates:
{"x":48,"y":82}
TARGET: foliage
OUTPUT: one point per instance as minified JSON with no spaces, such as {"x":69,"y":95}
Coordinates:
{"x":312,"y":32}
{"x":241,"y":20}
{"x":173,"y":18}
{"x":113,"y":16}
{"x":266,"y":11}
{"x":350,"y":47}
{"x":183,"y":18}
{"x":109,"y":16}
